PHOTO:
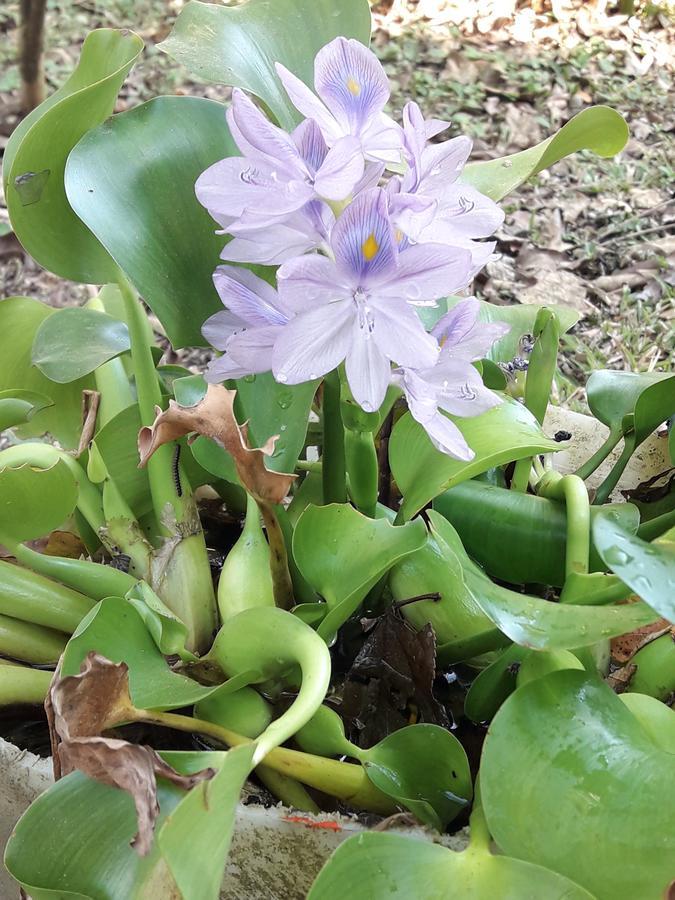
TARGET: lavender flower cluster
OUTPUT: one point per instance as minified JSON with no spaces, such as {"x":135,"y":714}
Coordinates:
{"x":367,"y":221}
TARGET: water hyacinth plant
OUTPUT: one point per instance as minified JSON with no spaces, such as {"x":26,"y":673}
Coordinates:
{"x":409,"y":551}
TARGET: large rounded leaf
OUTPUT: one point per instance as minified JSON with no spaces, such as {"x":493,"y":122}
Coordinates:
{"x":239,"y":45}
{"x":34,"y":502}
{"x":132,"y":180}
{"x":648,"y":397}
{"x":380,"y":865}
{"x":599,"y":129}
{"x":71,"y":343}
{"x":36,"y":155}
{"x":569,"y":779}
{"x":18,"y":406}
{"x":502,"y":434}
{"x":20,"y":318}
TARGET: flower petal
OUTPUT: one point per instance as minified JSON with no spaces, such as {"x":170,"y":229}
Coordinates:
{"x":400,"y":335}
{"x":253,"y":300}
{"x":446,"y":437}
{"x":363,"y":240}
{"x":252,"y":349}
{"x":341,"y":170}
{"x":262,"y":137}
{"x":311,"y":144}
{"x":368,"y":370}
{"x":463,"y":338}
{"x":308,"y":104}
{"x":305,"y":281}
{"x":270,"y":246}
{"x":313,"y":343}
{"x":426,"y":272}
{"x":220,"y":327}
{"x":465,"y":211}
{"x":350,"y":80}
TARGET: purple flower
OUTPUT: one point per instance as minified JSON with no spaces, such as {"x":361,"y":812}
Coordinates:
{"x":275,"y":188}
{"x":429,"y":203}
{"x":357,"y":306}
{"x":352,"y":90}
{"x":247,"y":328}
{"x":452,"y":384}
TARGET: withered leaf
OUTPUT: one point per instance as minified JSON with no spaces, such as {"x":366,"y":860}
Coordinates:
{"x":391,"y":681}
{"x":213,"y":417}
{"x":81,"y":707}
{"x":627,"y":645}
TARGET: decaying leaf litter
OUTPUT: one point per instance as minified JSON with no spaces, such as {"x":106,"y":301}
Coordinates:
{"x":601,"y":241}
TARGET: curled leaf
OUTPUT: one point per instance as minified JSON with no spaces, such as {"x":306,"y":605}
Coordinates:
{"x":214,"y":418}
{"x":80,"y":708}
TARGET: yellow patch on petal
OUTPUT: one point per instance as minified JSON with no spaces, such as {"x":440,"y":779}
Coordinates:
{"x":398,"y":234}
{"x":353,"y":87}
{"x":370,"y":247}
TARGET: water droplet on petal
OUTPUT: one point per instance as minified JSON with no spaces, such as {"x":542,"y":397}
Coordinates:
{"x":282,"y":377}
{"x":249,"y":379}
{"x":367,"y":407}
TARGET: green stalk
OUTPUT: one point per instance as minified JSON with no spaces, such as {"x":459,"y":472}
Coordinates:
{"x":93,"y":579}
{"x":362,"y":466}
{"x":288,"y":790}
{"x":19,"y":684}
{"x":30,"y":643}
{"x":657,"y":526}
{"x":468,"y":647}
{"x":612,"y":479}
{"x":346,"y":781}
{"x":112,"y":382}
{"x":32,"y":598}
{"x":333,"y":450}
{"x":600,"y":455}
{"x":282,"y":584}
{"x":572,"y":491}
{"x":521,"y":475}
{"x":302,"y":590}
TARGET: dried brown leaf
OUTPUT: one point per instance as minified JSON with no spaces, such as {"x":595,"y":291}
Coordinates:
{"x":213,"y":417}
{"x":81,"y":707}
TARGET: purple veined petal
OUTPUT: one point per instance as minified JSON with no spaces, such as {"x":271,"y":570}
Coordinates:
{"x":313,"y":343}
{"x":222,"y":368}
{"x":220,"y":327}
{"x":368,"y":370}
{"x":426,"y":272}
{"x":476,"y":343}
{"x":420,"y":396}
{"x":311,"y":145}
{"x":457,"y":322}
{"x":412,"y":214}
{"x":270,"y":246}
{"x":371,"y":175}
{"x":415,"y":134}
{"x":481,"y":254}
{"x":225,"y":188}
{"x":252,"y":349}
{"x":251,"y":299}
{"x":459,"y":388}
{"x":442,"y":164}
{"x":265,"y":138}
{"x":399,"y":334}
{"x":432,"y":127}
{"x":382,"y":140}
{"x":308,"y":104}
{"x":306,"y":281}
{"x":446,"y":437}
{"x":341,"y":170}
{"x":350,"y":80}
{"x":363,"y":240}
{"x":467,"y":211}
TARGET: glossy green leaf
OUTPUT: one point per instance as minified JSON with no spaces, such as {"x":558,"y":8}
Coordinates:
{"x":377,"y":865}
{"x":34,"y":501}
{"x":493,"y":685}
{"x":20,"y":318}
{"x":537,"y":623}
{"x":195,"y":839}
{"x":116,"y":630}
{"x":117,"y":443}
{"x":239,"y":45}
{"x":520,"y":318}
{"x":424,"y":768}
{"x":167,"y":631}
{"x":565,"y":751}
{"x":71,"y":343}
{"x":18,"y":407}
{"x":649,"y":569}
{"x":164,"y":240}
{"x":504,"y":433}
{"x":649,"y":398}
{"x":657,"y":719}
{"x":343,"y":554}
{"x":599,"y":129}
{"x":36,"y":155}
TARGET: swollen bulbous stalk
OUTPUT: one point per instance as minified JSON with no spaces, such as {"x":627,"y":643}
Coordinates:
{"x":245,"y":579}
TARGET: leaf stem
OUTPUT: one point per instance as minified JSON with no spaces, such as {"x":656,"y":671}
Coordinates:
{"x":573,"y":492}
{"x":333,"y":451}
{"x":282,"y":584}
{"x":468,"y":647}
{"x":611,"y":481}
{"x":600,"y":455}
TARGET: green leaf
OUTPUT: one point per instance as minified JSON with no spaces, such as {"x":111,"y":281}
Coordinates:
{"x":164,"y":240}
{"x":502,"y":434}
{"x":648,"y":569}
{"x":377,"y":865}
{"x":343,"y":554}
{"x":18,"y":407}
{"x":657,"y":719}
{"x":520,"y":319}
{"x":20,"y":318}
{"x":493,"y":685}
{"x":599,"y":129}
{"x":117,"y":442}
{"x":167,"y":631}
{"x":35,"y":501}
{"x":239,"y":45}
{"x":71,"y":343}
{"x":195,"y":839}
{"x":425,"y":769}
{"x":647,"y":399}
{"x":569,"y":779}
{"x":36,"y":155}
{"x":116,"y":630}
